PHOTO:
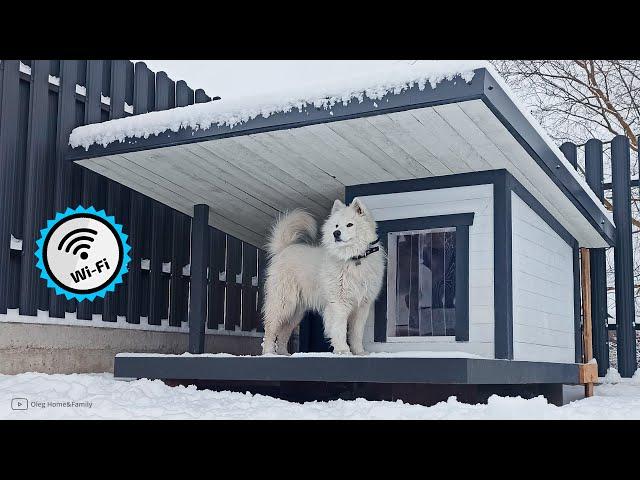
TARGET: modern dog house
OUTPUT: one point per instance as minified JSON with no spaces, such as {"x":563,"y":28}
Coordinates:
{"x":483,"y":219}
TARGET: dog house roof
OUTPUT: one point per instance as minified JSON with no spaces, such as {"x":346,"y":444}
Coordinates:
{"x":251,"y":158}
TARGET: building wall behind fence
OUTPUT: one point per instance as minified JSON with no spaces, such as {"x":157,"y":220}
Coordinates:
{"x":41,"y":101}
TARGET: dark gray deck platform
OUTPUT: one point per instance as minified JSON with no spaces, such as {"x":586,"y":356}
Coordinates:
{"x":367,"y":369}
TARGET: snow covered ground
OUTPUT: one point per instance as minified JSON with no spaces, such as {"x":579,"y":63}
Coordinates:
{"x":99,"y":396}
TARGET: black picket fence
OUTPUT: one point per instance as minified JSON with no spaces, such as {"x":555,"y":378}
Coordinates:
{"x":41,"y":101}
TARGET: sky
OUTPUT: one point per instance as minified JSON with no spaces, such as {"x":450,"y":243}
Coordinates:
{"x":233,"y":78}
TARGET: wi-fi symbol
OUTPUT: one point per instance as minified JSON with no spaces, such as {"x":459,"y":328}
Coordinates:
{"x":75,"y":237}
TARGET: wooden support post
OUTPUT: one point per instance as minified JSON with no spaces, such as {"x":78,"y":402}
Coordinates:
{"x":199,"y":264}
{"x":586,"y":318}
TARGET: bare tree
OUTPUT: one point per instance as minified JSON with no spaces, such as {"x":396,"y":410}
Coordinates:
{"x":575,"y":100}
{"x":579,"y":99}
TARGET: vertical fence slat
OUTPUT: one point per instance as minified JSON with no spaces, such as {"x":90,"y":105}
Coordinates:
{"x":184,"y":94}
{"x":118,"y":88}
{"x":177,"y":285}
{"x":623,"y":256}
{"x":62,"y":191}
{"x":145,"y":274}
{"x":52,"y":140}
{"x":35,"y":176}
{"x":81,"y":78}
{"x":249,"y":301}
{"x":91,"y":180}
{"x":147,"y":203}
{"x":156,"y":290}
{"x":124,"y":209}
{"x":234,"y":289}
{"x":115,"y":191}
{"x":9,"y":107}
{"x":135,"y":282}
{"x":161,"y":237}
{"x":262,"y":267}
{"x":217,"y":265}
{"x":570,"y":151}
{"x":201,"y":97}
{"x":180,"y":295}
{"x":198,"y":290}
{"x":137,"y":220}
{"x":599,"y":312}
{"x":15,"y":261}
{"x":158,"y":284}
{"x":166,"y":258}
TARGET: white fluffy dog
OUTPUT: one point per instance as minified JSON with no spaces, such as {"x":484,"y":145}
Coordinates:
{"x":340,"y":278}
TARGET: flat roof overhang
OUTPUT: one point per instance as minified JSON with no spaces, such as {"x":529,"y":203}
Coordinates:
{"x":333,"y":368}
{"x":249,"y":173}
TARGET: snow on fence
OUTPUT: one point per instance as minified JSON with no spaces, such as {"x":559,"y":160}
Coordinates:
{"x":41,"y":101}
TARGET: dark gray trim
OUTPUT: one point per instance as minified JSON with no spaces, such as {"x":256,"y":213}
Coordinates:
{"x":462,"y":283}
{"x":340,"y":369}
{"x":447,"y":91}
{"x":483,"y":86}
{"x":416,"y":184}
{"x":502,"y":267}
{"x":577,"y":304}
{"x":198,"y":278}
{"x":461,"y":221}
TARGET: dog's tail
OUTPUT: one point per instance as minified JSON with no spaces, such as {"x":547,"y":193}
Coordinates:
{"x":290,"y":228}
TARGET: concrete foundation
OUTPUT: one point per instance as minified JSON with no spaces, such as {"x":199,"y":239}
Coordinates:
{"x":28,"y":347}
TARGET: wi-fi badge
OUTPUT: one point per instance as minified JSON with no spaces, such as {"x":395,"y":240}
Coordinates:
{"x":82,"y":253}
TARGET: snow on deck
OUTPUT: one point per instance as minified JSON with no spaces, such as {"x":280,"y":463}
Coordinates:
{"x":99,"y":396}
{"x":407,"y":354}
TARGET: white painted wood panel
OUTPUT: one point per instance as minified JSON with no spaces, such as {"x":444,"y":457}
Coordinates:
{"x":405,"y":142}
{"x":363,"y":138}
{"x":479,"y":200}
{"x":543,"y":320}
{"x":304,"y":173}
{"x":257,"y":167}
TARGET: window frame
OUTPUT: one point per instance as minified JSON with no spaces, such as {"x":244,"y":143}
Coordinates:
{"x":461,"y":222}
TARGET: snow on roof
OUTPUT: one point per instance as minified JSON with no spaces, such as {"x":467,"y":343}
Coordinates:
{"x":233,"y":111}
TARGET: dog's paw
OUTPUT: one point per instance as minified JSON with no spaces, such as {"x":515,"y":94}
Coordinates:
{"x":342,"y":351}
{"x":358,"y":351}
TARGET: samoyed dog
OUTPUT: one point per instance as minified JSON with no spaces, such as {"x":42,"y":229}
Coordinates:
{"x":340,"y":278}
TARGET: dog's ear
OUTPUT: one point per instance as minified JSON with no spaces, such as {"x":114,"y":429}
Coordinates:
{"x":337,"y":205}
{"x":359,"y":206}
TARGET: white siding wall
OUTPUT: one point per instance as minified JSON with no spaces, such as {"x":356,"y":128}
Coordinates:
{"x":543,"y":321}
{"x":479,"y":200}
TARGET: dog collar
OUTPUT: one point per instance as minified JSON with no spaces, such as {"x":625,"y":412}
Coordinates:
{"x":370,"y":250}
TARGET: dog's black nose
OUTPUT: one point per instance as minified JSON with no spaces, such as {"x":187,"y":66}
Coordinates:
{"x":336,"y":233}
